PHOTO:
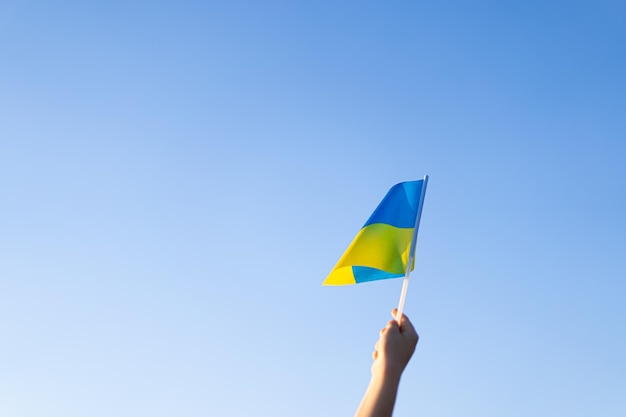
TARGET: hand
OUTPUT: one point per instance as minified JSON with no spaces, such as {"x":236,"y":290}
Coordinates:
{"x":394,"y":348}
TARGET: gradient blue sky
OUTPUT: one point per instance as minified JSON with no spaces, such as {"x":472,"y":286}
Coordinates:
{"x":177,"y":179}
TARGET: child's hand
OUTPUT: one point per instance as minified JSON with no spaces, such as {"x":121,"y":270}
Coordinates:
{"x":394,"y":348}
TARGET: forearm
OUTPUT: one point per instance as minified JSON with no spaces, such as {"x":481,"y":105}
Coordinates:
{"x":392,"y":353}
{"x":380,"y":396}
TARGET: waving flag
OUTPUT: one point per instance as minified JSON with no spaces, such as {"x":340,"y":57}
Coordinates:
{"x":386,"y":242}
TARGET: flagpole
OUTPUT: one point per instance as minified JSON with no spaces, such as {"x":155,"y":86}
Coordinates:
{"x":405,"y":283}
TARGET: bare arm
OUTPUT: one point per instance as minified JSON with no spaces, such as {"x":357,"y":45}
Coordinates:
{"x":393,"y":350}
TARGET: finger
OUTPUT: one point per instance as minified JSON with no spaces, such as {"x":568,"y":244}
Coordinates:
{"x":394,"y":313}
{"x":392,"y":326}
{"x":405,"y":323}
{"x":407,"y":326}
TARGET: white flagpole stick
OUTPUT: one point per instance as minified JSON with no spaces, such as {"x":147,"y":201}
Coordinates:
{"x":405,"y":283}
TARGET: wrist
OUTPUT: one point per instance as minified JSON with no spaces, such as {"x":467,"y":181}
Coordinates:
{"x":387,"y":374}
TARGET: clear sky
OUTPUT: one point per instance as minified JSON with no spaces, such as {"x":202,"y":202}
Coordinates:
{"x":178,"y":178}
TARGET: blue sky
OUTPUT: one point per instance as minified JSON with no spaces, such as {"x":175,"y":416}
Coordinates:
{"x":177,"y":179}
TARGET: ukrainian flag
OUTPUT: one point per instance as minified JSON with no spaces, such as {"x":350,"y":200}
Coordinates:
{"x":381,"y":248}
